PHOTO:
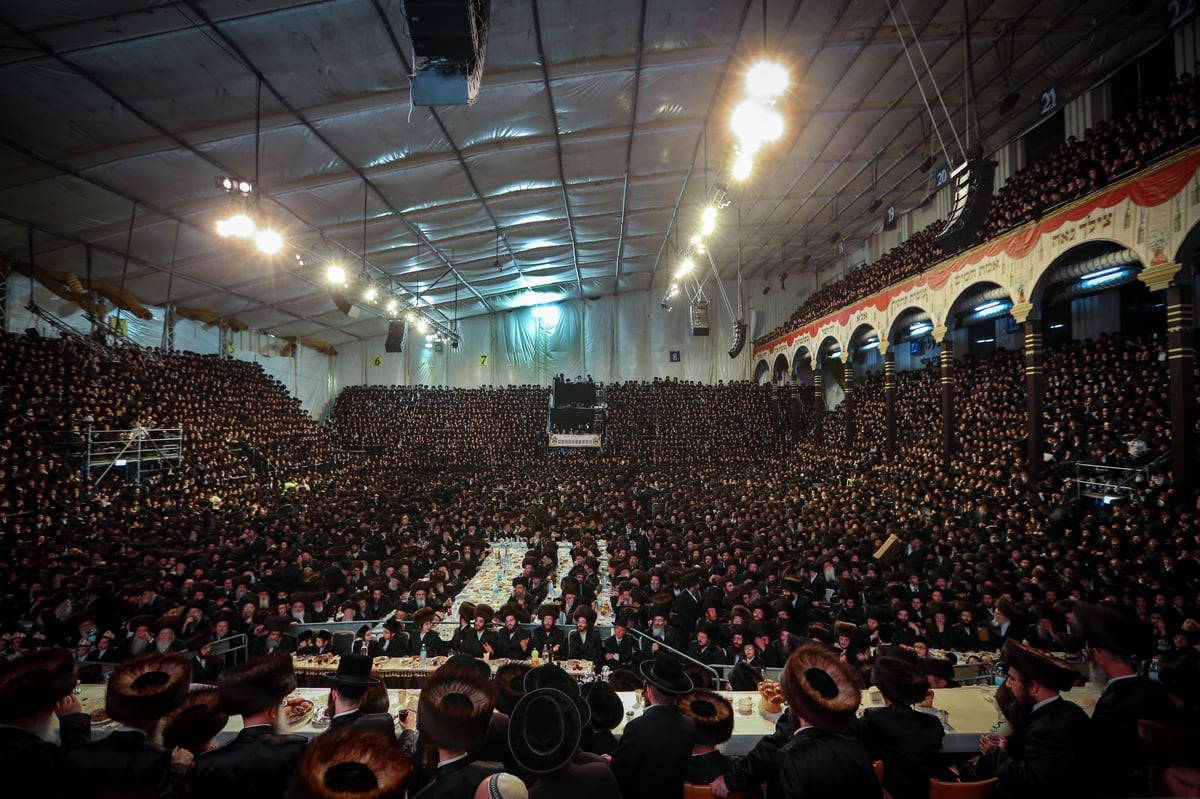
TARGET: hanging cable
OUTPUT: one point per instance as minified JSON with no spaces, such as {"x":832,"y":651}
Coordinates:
{"x":920,"y":87}
{"x":168,"y":341}
{"x":929,"y":70}
{"x":125,"y":266}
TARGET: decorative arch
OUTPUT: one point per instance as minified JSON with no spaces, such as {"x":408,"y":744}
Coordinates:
{"x":762,"y":372}
{"x":898,"y":326}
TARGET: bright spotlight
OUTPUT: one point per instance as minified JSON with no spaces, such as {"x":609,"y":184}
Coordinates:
{"x":755,"y":125}
{"x":743,"y":165}
{"x":708,"y":220}
{"x":391,"y":306}
{"x":697,"y":239}
{"x":238,"y":226}
{"x":687,"y":266}
{"x":422,"y":325}
{"x":371,"y":294}
{"x":767,"y":80}
{"x":335,"y":275}
{"x":244,"y":187}
{"x":268,"y":241}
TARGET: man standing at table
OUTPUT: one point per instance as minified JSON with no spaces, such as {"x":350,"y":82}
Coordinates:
{"x":259,"y":762}
{"x":1116,"y":638}
{"x":32,"y":688}
{"x":655,"y":749}
{"x":1051,"y":753}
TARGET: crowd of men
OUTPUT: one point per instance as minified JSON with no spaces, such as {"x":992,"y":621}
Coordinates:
{"x":731,"y":553}
{"x":1109,"y":151}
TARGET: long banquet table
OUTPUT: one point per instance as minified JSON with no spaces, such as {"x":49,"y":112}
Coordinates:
{"x":966,"y":713}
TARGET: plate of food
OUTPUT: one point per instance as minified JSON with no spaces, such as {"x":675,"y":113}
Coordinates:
{"x":381,"y":659}
{"x":100,"y":718}
{"x":297,"y":710}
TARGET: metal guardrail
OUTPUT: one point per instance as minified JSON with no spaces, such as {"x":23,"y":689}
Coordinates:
{"x":676,"y":652}
{"x":135,"y":446}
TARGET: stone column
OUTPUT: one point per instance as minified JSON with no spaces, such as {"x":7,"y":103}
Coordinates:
{"x":889,"y":397}
{"x":947,"y":364}
{"x":848,"y":380}
{"x":1181,"y":358}
{"x":1035,"y":387}
{"x":818,"y":402}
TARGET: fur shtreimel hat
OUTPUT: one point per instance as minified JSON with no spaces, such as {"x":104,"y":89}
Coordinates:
{"x":352,"y":764}
{"x":455,"y":707}
{"x":196,"y":721}
{"x":35,"y":682}
{"x":712,"y":713}
{"x":259,"y":682}
{"x":148,"y":687}
{"x":820,"y":688}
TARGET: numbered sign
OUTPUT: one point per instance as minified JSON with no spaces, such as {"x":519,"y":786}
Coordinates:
{"x":942,"y":176}
{"x":1048,"y":100}
{"x":1178,"y":11}
{"x":674,"y":356}
{"x":889,"y":217}
{"x":841,"y":246}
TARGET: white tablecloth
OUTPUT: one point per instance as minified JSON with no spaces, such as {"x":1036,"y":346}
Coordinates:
{"x":968,"y":714}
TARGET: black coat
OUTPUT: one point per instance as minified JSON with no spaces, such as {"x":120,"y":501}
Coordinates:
{"x":434,"y":645}
{"x":127,"y":763}
{"x":586,"y":781}
{"x":589,"y":650}
{"x":653,"y":754}
{"x":257,"y":764}
{"x":508,"y":644}
{"x":364,"y":722}
{"x":822,"y":763}
{"x":544,"y":642}
{"x":397,"y":647}
{"x":1114,"y":725}
{"x":705,"y":768}
{"x":709,"y":655}
{"x":31,"y":761}
{"x":471,"y":643}
{"x":1049,"y":757}
{"x":624,"y":652}
{"x":459,"y":779}
{"x":908,"y":742}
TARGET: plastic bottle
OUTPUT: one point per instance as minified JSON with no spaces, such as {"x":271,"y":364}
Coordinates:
{"x":535,"y":659}
{"x":424,"y":652}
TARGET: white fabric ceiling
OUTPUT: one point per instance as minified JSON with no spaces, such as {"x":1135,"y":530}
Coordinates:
{"x":597,"y":133}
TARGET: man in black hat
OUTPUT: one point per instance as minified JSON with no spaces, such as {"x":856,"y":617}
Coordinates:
{"x":260,"y":761}
{"x":140,"y":693}
{"x":544,"y":733}
{"x":1117,"y":638}
{"x":607,"y":713}
{"x":32,"y":688}
{"x":479,"y":640}
{"x":821,"y":758}
{"x":655,"y":749}
{"x":907,"y":742}
{"x":705,"y":648}
{"x":548,"y":639}
{"x":584,"y":643}
{"x":512,"y":642}
{"x":425,"y":638}
{"x":1051,"y":753}
{"x":619,"y":650}
{"x":395,"y":641}
{"x":713,"y":717}
{"x":453,"y":715}
{"x":350,"y":684}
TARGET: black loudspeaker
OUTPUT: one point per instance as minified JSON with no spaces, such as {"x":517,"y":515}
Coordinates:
{"x":397,"y":335}
{"x":344,"y":305}
{"x":700,"y":318}
{"x":740,"y":329}
{"x":442,"y":28}
{"x":973,"y":184}
{"x":32,"y":334}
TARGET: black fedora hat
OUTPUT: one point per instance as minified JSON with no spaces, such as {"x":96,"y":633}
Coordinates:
{"x":353,"y":675}
{"x":543,"y":731}
{"x":607,"y":708}
{"x":665,"y":673}
{"x":1117,"y":631}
